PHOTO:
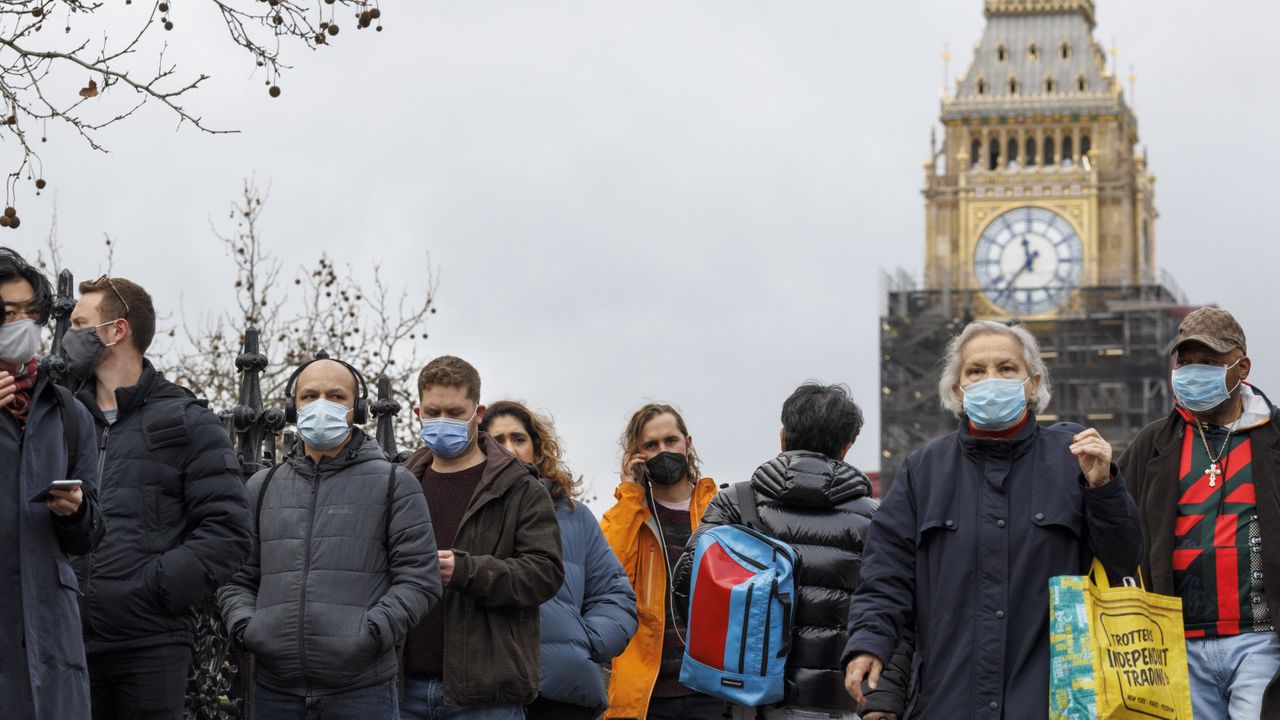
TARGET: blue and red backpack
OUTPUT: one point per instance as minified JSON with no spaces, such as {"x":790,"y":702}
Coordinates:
{"x":741,"y":610}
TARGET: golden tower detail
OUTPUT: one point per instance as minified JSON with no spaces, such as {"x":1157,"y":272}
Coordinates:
{"x":1038,"y":189}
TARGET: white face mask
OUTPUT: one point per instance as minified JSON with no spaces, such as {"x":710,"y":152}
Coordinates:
{"x":19,"y":341}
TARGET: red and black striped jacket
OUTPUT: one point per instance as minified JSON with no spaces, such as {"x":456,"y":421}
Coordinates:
{"x":1152,"y":469}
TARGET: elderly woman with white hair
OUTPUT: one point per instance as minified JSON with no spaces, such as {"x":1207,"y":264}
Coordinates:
{"x":975,"y":525}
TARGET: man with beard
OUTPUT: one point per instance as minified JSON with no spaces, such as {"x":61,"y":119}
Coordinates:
{"x":660,"y":502}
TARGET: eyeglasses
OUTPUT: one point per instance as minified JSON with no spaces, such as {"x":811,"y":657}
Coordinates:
{"x":114,"y":289}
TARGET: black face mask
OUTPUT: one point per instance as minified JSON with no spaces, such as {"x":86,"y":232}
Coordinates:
{"x":667,"y":468}
{"x":82,"y":349}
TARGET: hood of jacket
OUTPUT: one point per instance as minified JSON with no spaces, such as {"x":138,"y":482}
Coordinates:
{"x":359,"y":449}
{"x":800,"y":477}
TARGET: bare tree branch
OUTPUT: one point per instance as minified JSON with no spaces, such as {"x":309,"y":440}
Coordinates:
{"x":353,"y":315}
{"x":40,"y":54}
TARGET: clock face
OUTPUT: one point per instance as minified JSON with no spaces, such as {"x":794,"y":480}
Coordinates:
{"x":1028,"y":261}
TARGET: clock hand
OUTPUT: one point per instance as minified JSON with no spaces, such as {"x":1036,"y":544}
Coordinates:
{"x":1009,"y":288}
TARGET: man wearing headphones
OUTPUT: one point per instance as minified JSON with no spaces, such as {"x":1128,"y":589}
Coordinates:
{"x":343,"y":563}
{"x":172,"y":497}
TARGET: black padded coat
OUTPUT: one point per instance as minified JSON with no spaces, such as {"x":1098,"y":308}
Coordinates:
{"x":823,"y":509}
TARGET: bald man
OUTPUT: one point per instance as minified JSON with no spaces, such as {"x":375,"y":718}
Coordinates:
{"x":343,"y":564}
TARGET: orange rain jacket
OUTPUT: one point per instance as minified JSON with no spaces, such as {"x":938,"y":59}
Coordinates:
{"x":633,"y":534}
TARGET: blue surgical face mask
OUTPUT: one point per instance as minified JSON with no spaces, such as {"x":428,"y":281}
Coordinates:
{"x":322,"y":424}
{"x":995,"y":404}
{"x":1200,"y":388}
{"x":446,"y":437}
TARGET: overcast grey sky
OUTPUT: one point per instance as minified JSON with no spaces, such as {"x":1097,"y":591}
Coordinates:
{"x":680,"y":201}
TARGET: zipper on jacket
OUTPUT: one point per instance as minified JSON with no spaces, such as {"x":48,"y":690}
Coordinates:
{"x":768,"y":612}
{"x":302,"y":592}
{"x":88,"y":559}
{"x":746,"y":625}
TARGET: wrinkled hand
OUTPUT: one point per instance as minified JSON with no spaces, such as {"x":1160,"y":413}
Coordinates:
{"x":8,"y":388}
{"x":64,"y":503}
{"x":446,"y":566}
{"x":1094,"y":455}
{"x":864,"y":666}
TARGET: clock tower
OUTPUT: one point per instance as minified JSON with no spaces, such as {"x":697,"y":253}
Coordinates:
{"x":1038,"y":189}
{"x":1039,"y":208}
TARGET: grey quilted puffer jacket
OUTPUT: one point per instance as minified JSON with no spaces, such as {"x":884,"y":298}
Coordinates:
{"x":328,"y":593}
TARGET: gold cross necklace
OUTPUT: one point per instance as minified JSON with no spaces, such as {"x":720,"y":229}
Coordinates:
{"x":1214,"y":471}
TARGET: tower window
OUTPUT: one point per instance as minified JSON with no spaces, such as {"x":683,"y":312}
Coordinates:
{"x":1031,"y":152}
{"x":982,"y":86}
{"x":1065,"y":50}
{"x":1050,"y":86}
{"x":1033,"y":52}
{"x":1085,"y":145}
{"x":1012,"y":159}
{"x":1013,"y":86}
{"x":993,"y":161}
{"x":975,"y":153}
{"x":1067,"y":155}
{"x":1082,"y":84}
{"x":1002,"y":53}
{"x":1048,"y":151}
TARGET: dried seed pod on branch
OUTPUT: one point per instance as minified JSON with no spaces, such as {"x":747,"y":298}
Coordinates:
{"x":90,"y":64}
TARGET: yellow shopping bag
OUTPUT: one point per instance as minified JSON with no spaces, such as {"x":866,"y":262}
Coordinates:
{"x":1116,"y":653}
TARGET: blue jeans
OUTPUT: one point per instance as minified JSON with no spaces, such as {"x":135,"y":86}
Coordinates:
{"x":424,"y":700}
{"x":376,"y":702}
{"x":1229,"y":674}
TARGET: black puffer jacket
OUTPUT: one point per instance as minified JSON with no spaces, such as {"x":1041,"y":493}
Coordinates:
{"x":178,"y":524}
{"x":823,"y":509}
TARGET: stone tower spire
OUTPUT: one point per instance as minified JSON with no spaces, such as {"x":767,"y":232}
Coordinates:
{"x":996,"y":8}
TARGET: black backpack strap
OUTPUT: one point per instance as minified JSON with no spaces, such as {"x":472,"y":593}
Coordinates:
{"x":257,"y":512}
{"x":391,"y":500}
{"x":70,"y":425}
{"x":747,"y":505}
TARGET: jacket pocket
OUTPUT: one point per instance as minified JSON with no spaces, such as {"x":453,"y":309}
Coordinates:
{"x":341,"y":648}
{"x":930,"y":531}
{"x":63,"y":613}
{"x":1060,"y":516}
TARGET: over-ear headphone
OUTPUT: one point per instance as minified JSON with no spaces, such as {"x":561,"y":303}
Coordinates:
{"x":359,"y":413}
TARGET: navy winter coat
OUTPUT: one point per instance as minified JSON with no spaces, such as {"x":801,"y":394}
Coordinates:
{"x":967,"y":540}
{"x":42,"y":672}
{"x":591,"y":619}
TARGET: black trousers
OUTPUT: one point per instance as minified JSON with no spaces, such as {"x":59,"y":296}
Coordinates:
{"x":544,"y":709}
{"x":143,"y":684}
{"x":689,"y":707}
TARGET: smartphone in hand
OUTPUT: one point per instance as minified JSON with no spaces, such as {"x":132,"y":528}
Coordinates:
{"x":44,"y":495}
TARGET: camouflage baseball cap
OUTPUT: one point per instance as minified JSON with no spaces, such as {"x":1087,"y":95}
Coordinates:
{"x":1213,"y":327}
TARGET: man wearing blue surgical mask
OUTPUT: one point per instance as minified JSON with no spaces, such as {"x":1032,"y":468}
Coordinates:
{"x":477,"y":654}
{"x":344,"y":564}
{"x":1207,"y":483}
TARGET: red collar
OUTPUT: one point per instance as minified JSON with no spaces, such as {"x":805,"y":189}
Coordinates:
{"x":1006,"y":434}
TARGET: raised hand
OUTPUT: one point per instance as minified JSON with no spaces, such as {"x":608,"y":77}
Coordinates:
{"x":1094,"y":455}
